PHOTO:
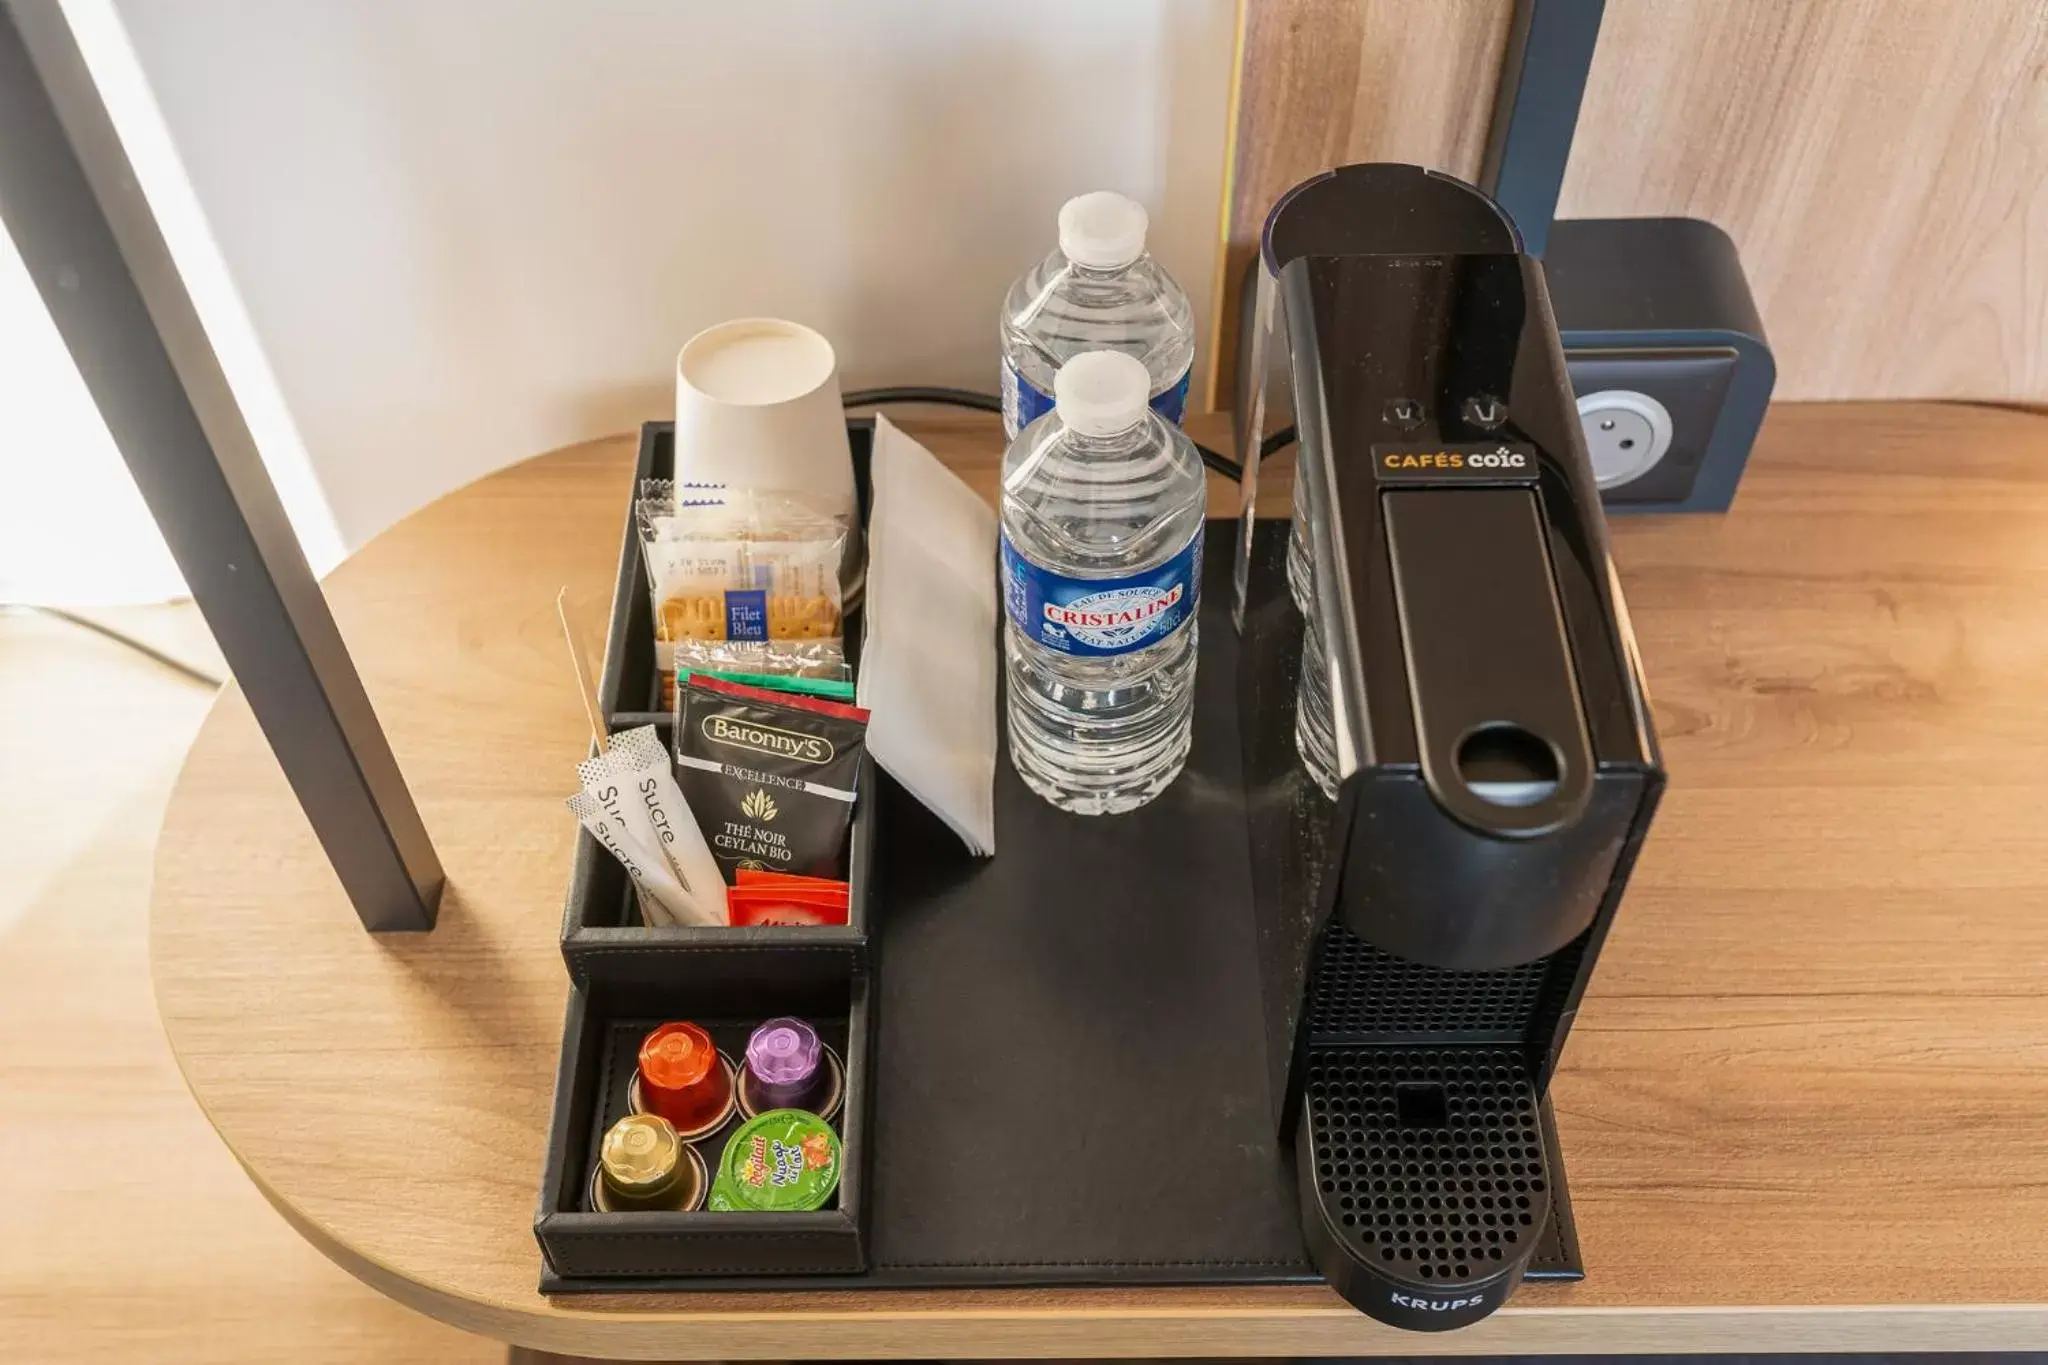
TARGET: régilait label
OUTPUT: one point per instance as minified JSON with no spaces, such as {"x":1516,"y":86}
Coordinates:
{"x":1023,"y":404}
{"x":1099,"y":617}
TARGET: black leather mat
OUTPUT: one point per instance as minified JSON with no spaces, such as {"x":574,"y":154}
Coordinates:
{"x":1070,"y":1077}
{"x":1071,"y":1084}
{"x":1069,"y":1069}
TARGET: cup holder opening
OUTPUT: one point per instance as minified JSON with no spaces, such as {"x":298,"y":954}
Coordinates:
{"x":1506,"y":765}
{"x":1421,"y":1105}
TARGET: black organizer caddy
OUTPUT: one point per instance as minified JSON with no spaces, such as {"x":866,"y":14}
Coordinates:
{"x":1057,"y":1070}
{"x":607,"y":1020}
{"x":630,"y":977}
{"x":602,"y":935}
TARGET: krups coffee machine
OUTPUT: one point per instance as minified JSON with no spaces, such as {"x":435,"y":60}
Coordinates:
{"x":1448,"y":753}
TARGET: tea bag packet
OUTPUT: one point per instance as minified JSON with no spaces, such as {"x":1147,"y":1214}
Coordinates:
{"x":742,"y":580}
{"x":662,"y":898}
{"x":774,"y":776}
{"x":636,"y":771}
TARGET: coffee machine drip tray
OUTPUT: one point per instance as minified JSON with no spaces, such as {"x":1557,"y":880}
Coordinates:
{"x":1426,"y":1160}
{"x":1432,"y":1159}
{"x":1433,"y":1164}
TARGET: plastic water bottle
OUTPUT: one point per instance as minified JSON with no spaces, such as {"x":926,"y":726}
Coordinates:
{"x":1315,"y":726}
{"x":1103,"y":506}
{"x":1099,"y":291}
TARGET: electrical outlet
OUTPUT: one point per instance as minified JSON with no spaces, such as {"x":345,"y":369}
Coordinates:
{"x":1626,"y":434}
{"x":1656,"y":318}
{"x":1649,"y":416}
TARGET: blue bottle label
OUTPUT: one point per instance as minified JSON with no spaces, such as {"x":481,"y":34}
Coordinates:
{"x":746,"y":614}
{"x":1172,"y":403}
{"x":1097,"y":617}
{"x":1023,"y":404}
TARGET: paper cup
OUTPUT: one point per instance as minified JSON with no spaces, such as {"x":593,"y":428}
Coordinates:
{"x":757,"y":406}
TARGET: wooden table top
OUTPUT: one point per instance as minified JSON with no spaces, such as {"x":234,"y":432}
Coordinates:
{"x":1805,"y":1106}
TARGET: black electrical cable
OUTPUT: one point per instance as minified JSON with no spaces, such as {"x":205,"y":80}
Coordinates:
{"x":912,"y":393}
{"x":859,"y":398}
{"x":147,"y":650}
{"x":988,"y":402}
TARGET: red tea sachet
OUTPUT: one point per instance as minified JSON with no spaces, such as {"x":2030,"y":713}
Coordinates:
{"x":784,"y":905}
{"x":755,"y":876}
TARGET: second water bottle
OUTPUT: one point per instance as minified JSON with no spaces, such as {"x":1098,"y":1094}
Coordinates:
{"x":1102,"y":513}
{"x":1099,"y":291}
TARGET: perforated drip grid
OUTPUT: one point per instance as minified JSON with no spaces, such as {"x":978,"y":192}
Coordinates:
{"x":1431,"y":1160}
{"x":1363,"y":994}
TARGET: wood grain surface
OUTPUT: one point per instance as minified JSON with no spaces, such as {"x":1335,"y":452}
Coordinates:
{"x":1328,"y":82}
{"x":1881,"y":164}
{"x":1324,"y":83}
{"x":131,"y":1237}
{"x":1803,"y":1107}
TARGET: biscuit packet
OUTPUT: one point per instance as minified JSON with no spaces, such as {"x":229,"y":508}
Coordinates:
{"x":742,"y":581}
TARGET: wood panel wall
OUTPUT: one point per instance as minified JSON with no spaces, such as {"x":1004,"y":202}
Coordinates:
{"x":1881,"y":164}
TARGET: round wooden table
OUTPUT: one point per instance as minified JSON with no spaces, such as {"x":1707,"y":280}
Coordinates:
{"x":390,"y":1094}
{"x":1802,"y":1107}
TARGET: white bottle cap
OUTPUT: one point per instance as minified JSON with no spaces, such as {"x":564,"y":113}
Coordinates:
{"x":1103,"y":230}
{"x":1099,"y":393}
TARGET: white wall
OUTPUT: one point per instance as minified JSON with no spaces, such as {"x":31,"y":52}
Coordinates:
{"x":467,"y":231}
{"x":73,"y":529}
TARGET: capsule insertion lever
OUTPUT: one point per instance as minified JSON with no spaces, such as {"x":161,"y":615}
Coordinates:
{"x":1497,"y":716}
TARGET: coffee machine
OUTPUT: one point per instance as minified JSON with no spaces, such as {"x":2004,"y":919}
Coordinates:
{"x":1449,"y":757}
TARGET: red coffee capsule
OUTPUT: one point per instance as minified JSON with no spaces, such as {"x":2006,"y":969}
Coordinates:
{"x":684,"y":1079}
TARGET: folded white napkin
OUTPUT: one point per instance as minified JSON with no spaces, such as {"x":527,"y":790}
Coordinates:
{"x":928,"y":660}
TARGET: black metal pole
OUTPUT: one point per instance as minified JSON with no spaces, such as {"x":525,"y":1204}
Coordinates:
{"x":70,"y":199}
{"x":1536,"y":110}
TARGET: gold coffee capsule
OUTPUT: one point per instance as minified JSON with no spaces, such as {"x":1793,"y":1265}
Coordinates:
{"x":642,"y":1164}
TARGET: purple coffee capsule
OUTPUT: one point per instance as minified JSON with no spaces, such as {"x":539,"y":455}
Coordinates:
{"x":789,"y":1067}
